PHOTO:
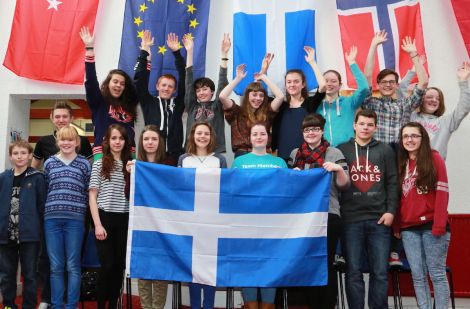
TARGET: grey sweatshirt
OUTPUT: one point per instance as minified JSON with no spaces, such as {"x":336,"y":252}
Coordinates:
{"x":441,"y":128}
{"x":373,"y":173}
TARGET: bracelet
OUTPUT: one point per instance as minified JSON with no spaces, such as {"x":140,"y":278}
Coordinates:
{"x":415,"y":56}
{"x":89,"y":48}
{"x":224,"y":59}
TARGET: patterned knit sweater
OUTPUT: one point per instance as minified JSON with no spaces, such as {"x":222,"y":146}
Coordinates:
{"x":67,"y":192}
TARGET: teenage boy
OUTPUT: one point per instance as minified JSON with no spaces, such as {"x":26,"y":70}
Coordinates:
{"x":164,"y":110}
{"x":393,"y":113}
{"x":22,"y":198}
{"x":198,"y":98}
{"x":61,"y":116}
{"x":367,"y":211}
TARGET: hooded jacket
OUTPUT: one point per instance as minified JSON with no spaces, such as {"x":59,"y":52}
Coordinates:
{"x":373,"y":174}
{"x":32,"y":200}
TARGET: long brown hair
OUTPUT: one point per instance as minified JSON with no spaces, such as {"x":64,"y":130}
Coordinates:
{"x":108,"y":160}
{"x":426,"y":179}
{"x":261,"y":114}
{"x":160,"y":156}
{"x":128,"y":100}
{"x":191,"y":145}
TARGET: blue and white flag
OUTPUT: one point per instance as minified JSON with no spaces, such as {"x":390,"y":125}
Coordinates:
{"x":228,"y":227}
{"x":282,"y":27}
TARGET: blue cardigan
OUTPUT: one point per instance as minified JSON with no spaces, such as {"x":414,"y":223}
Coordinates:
{"x":32,"y":199}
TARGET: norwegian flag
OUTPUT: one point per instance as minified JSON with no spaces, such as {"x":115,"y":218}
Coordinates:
{"x":360,"y":19}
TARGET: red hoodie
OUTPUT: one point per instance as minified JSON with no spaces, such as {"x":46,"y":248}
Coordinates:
{"x":418,"y":208}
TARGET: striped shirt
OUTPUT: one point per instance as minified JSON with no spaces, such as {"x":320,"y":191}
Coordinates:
{"x":392,"y":114}
{"x":111,"y":192}
{"x":67,"y":193}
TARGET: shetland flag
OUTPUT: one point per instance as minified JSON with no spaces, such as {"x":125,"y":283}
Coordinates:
{"x":228,"y":227}
{"x":279,"y":27}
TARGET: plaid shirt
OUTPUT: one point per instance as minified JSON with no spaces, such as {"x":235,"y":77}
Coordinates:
{"x":392,"y":114}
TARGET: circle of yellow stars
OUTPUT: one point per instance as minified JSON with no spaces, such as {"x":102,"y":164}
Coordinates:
{"x":193,"y":23}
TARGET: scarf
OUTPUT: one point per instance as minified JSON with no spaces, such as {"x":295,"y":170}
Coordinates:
{"x":313,"y":157}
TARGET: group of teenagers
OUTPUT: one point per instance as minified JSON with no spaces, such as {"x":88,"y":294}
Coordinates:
{"x":387,"y":155}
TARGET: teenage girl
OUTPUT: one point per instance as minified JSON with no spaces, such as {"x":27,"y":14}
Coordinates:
{"x":67,"y":176}
{"x":115,"y":101}
{"x":200,"y":148}
{"x":151,"y":149}
{"x":109,"y":206}
{"x":421,"y":220}
{"x":254,"y":108}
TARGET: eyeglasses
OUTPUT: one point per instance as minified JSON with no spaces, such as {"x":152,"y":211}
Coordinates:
{"x":412,"y":136}
{"x":388,"y":82}
{"x":312,"y":129}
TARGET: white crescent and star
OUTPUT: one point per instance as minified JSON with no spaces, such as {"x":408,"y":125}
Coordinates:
{"x":54,"y":4}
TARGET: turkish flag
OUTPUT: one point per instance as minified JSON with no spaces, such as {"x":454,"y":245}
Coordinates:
{"x":45,"y":43}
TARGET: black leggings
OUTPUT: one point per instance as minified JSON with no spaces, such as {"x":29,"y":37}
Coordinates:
{"x":112,"y":256}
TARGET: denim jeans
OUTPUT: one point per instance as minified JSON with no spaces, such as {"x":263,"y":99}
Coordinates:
{"x":27,"y":253}
{"x":426,"y":252}
{"x":195,"y":295}
{"x":366,"y":241}
{"x":64,"y":243}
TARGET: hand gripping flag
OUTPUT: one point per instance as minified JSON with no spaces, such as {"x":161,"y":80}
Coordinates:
{"x":360,"y":19}
{"x":44,"y":41}
{"x":162,"y":17}
{"x":228,"y":227}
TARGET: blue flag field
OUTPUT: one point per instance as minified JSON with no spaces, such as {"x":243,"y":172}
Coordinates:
{"x":228,"y":227}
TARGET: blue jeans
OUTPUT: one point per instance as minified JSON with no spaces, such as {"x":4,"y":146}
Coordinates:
{"x":426,"y":252}
{"x":366,"y":241}
{"x":195,"y":295}
{"x":27,"y":253}
{"x":64,"y":243}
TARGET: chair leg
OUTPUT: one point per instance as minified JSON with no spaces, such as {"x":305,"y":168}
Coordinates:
{"x":451,"y":286}
{"x":229,"y":298}
{"x":284,"y":298}
{"x":175,"y":304}
{"x":341,"y":290}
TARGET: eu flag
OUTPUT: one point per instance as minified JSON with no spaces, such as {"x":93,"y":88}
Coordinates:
{"x":162,"y":17}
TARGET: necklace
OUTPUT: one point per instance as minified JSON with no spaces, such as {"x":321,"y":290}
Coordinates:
{"x":201,"y":160}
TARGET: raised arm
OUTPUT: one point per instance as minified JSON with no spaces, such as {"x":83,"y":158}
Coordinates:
{"x":173,"y":43}
{"x":379,"y":38}
{"x":362,"y":90}
{"x":409,"y":46}
{"x":224,"y":49}
{"x":190,"y":95}
{"x":268,"y":58}
{"x":310,"y":58}
{"x":92,"y":87}
{"x":227,"y":91}
{"x":142,"y":70}
{"x":88,"y":40}
{"x":463,"y":106}
{"x":278,"y":95}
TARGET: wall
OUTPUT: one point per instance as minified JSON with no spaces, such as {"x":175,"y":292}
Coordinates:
{"x":443,"y":41}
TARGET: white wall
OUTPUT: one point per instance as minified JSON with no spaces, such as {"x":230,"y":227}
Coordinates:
{"x":444,"y":45}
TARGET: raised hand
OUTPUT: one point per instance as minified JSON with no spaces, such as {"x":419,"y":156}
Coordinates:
{"x":188,"y":42}
{"x":268,"y":58}
{"x":240,"y":71}
{"x":172,"y":41}
{"x":259,"y":76}
{"x":226,"y":44}
{"x":87,"y":38}
{"x":147,"y":41}
{"x":463,"y":72}
{"x":379,"y":38}
{"x":351,"y":56}
{"x":409,"y":46}
{"x":310,"y":54}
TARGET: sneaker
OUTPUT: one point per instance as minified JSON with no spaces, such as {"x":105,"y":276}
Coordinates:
{"x":43,"y":306}
{"x":394,"y":260}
